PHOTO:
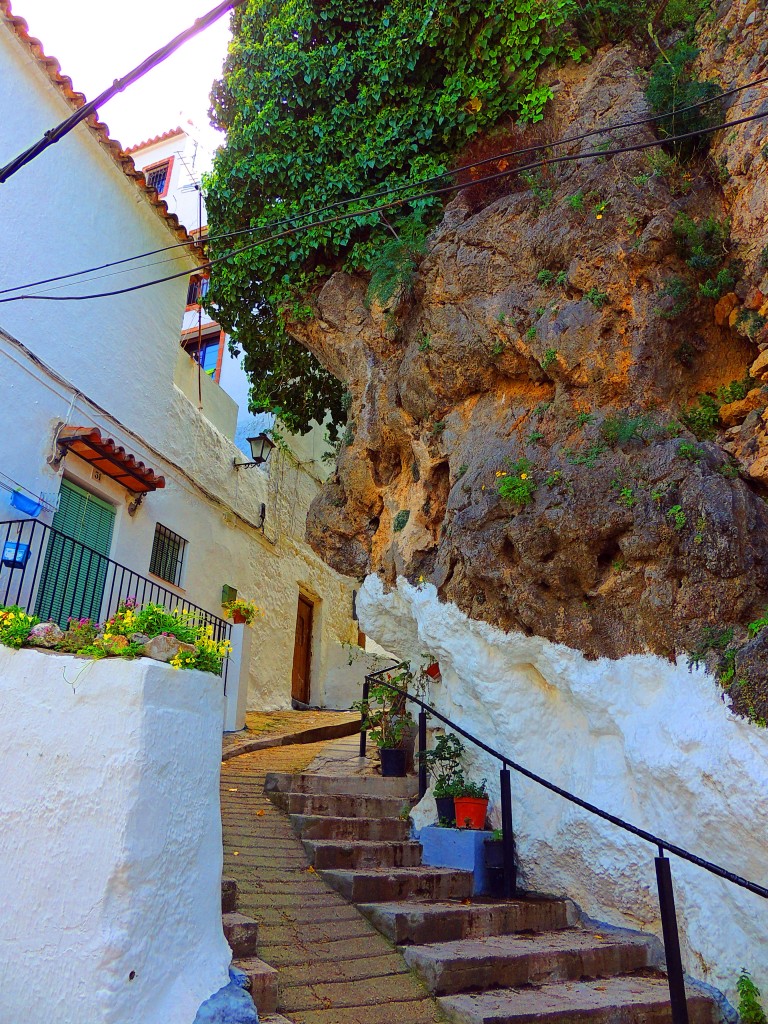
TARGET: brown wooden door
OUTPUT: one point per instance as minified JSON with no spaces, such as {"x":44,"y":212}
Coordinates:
{"x":302,"y":652}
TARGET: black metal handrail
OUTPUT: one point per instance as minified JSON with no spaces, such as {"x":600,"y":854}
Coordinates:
{"x":43,"y":570}
{"x":670,"y":932}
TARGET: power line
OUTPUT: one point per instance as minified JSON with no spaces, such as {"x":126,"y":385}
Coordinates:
{"x":54,"y":135}
{"x":568,"y":158}
{"x":393,"y":189}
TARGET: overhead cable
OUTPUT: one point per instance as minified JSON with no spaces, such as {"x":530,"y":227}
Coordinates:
{"x":232,"y":253}
{"x":54,"y":135}
{"x":567,"y":140}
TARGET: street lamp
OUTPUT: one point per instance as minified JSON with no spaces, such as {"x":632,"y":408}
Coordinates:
{"x":261,"y":446}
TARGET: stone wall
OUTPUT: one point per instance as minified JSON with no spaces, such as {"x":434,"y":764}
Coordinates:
{"x":111,"y":854}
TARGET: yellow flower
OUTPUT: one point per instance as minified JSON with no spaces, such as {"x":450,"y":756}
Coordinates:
{"x":599,"y":216}
{"x":523,"y":476}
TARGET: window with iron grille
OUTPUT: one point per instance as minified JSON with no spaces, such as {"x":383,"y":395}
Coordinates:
{"x":157,"y":177}
{"x":167,"y":555}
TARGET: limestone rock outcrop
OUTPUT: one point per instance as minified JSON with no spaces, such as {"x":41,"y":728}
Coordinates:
{"x":540,"y":351}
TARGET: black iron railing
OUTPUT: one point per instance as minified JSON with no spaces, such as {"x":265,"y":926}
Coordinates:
{"x":49,"y":574}
{"x":670,"y":933}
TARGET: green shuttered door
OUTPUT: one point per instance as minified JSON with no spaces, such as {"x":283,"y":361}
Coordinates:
{"x":73,"y":577}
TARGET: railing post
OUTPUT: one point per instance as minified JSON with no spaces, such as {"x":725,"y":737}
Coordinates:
{"x":422,"y":752}
{"x":675,"y":975}
{"x":363,"y":734}
{"x":508,"y":838}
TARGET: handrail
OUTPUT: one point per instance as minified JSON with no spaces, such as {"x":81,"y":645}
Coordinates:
{"x":663,"y":872}
{"x":662,"y":844}
{"x":88,"y":584}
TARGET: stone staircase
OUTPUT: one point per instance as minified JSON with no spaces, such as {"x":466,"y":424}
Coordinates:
{"x":242,"y":934}
{"x":486,"y":961}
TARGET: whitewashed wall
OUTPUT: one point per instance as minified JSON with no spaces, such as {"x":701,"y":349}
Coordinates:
{"x":110,"y":363}
{"x":111,"y":857}
{"x":642,"y":738}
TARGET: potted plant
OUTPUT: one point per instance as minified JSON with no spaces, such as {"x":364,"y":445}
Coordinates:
{"x":242,"y":611}
{"x":444,"y":765}
{"x":433,"y":670}
{"x":471,"y":804}
{"x":387,"y":722}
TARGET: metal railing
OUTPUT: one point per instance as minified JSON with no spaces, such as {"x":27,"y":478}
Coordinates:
{"x":49,"y":574}
{"x":670,"y":933}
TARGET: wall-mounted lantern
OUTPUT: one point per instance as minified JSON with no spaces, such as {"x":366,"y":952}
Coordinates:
{"x":261,"y":446}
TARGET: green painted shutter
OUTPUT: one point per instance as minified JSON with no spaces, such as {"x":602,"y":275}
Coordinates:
{"x":74,"y":570}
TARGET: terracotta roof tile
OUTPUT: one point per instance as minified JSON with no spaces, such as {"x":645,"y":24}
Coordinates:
{"x":100,"y":130}
{"x":170,"y":134}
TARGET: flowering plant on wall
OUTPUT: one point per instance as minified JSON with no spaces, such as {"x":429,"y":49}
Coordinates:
{"x":242,"y":611}
{"x":149,"y":631}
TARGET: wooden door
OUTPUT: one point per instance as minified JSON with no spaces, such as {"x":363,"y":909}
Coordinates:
{"x":302,"y":652}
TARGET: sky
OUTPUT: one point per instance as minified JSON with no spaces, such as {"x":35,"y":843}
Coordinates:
{"x":97,"y":41}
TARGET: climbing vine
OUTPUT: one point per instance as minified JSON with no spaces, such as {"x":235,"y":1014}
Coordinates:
{"x":323,"y":100}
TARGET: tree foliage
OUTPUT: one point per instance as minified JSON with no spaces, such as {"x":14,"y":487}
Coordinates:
{"x":324,"y":100}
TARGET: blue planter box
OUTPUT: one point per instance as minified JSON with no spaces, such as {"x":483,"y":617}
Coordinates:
{"x":456,"y":848}
{"x":15,"y":554}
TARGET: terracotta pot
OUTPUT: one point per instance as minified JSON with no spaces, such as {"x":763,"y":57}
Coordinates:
{"x":238,"y":618}
{"x":471,"y":810}
{"x":433,"y":670}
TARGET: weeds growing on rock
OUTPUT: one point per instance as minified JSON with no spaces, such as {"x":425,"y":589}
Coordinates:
{"x":689,"y":451}
{"x":621,"y":429}
{"x":677,"y":516}
{"x":676,"y":296}
{"x":672,"y":86}
{"x":518,"y":485}
{"x":576,"y":201}
{"x":583,"y":418}
{"x":550,"y":356}
{"x":703,"y":244}
{"x":750,"y":1008}
{"x":588,"y":457}
{"x":627,"y":497}
{"x":401,"y":519}
{"x":596,"y":297}
{"x":701,"y":417}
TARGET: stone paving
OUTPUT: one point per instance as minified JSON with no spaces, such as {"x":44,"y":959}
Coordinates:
{"x":335,"y":968}
{"x":274,"y":728}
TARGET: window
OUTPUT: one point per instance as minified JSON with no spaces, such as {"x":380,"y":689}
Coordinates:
{"x":198,"y":289}
{"x":158,"y":176}
{"x":167,"y":555}
{"x":207,"y":352}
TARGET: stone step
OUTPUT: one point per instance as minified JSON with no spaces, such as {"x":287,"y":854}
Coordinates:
{"x":419,"y":923}
{"x":357,"y":853}
{"x":242,"y":934}
{"x":274,"y":1018}
{"x":622,"y":1000}
{"x":262,"y":984}
{"x":509,"y":960}
{"x":356,"y":785}
{"x":228,"y":895}
{"x":342,"y":805}
{"x":369,"y":885}
{"x":317,"y":826}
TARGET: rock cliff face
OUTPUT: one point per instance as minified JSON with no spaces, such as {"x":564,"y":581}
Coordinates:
{"x":542,"y":352}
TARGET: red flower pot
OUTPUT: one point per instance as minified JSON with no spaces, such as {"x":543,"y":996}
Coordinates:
{"x":238,"y":618}
{"x":433,"y":670}
{"x":470,"y":811}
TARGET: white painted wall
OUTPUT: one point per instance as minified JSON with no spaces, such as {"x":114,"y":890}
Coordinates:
{"x":110,"y":363}
{"x":642,"y":738}
{"x":111,"y":855}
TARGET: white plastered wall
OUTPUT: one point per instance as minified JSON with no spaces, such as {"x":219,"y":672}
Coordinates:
{"x":642,"y":738}
{"x":110,"y":363}
{"x":111,"y":858}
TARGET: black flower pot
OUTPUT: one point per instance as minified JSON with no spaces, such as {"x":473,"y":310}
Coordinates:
{"x":392,"y":762}
{"x":446,"y":809}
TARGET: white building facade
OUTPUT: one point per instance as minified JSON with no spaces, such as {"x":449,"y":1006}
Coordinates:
{"x":109,"y":427}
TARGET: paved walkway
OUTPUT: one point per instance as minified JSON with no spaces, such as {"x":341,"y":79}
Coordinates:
{"x":274,"y":728}
{"x":335,"y":968}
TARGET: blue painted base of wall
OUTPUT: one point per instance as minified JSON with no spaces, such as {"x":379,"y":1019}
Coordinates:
{"x":456,"y":848}
{"x":230,"y":1005}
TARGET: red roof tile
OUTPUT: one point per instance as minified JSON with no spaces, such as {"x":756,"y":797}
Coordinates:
{"x":109,"y":458}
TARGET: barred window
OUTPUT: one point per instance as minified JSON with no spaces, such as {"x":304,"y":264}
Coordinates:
{"x":198,"y":289}
{"x":167,"y":555}
{"x":157,"y":177}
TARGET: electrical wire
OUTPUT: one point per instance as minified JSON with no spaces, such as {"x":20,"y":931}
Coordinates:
{"x":57,"y":133}
{"x":569,"y":158}
{"x":393,"y":189}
